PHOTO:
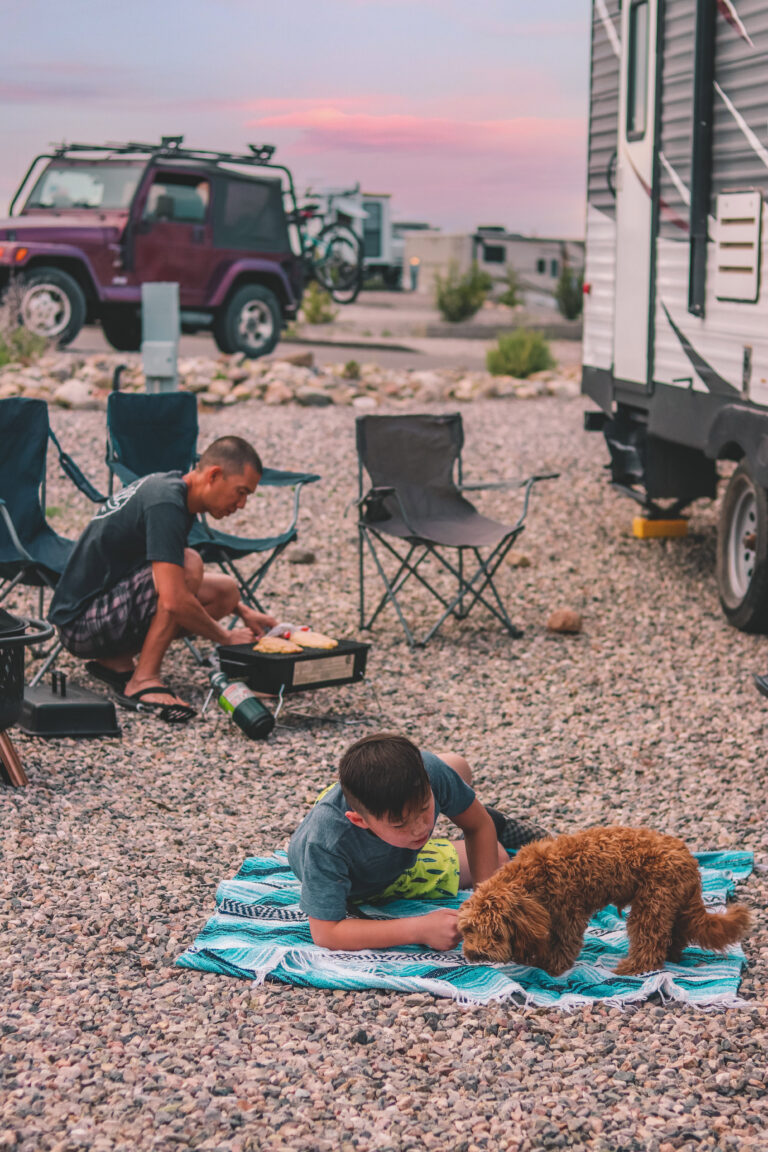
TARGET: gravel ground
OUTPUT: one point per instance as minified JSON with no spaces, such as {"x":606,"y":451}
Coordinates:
{"x":113,"y":853}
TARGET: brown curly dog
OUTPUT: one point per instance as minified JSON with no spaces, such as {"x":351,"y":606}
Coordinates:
{"x":535,"y":909}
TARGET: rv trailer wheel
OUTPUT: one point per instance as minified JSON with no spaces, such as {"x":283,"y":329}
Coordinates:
{"x":742,"y":552}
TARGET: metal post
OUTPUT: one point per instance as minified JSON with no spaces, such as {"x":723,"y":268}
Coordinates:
{"x":160,"y":327}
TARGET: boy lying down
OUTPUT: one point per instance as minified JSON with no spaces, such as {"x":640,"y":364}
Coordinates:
{"x":369,"y":838}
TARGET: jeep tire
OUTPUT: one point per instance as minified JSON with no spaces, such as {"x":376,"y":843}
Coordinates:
{"x":122,"y":328}
{"x":742,"y":552}
{"x":52,"y":304}
{"x":249,"y":322}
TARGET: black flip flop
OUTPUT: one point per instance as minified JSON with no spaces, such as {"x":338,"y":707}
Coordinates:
{"x":170,"y":713}
{"x":116,"y":680}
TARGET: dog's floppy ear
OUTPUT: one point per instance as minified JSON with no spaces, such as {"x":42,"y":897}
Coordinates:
{"x":528,"y":929}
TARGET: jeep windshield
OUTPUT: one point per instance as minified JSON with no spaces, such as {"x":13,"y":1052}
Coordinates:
{"x":64,"y":187}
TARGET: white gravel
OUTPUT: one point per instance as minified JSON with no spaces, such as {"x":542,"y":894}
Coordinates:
{"x":112,"y":855}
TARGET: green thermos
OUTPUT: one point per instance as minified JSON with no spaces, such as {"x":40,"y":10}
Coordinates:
{"x":237,"y":700}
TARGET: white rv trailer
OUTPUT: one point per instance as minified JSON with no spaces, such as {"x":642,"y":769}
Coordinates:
{"x":676,"y":302}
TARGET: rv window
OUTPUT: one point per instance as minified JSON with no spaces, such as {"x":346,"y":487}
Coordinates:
{"x":494,"y":253}
{"x":554,"y":268}
{"x":637,"y":70}
{"x":372,"y":230}
{"x":541,"y":266}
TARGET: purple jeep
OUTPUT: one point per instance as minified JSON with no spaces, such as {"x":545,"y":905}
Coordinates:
{"x":101,"y":220}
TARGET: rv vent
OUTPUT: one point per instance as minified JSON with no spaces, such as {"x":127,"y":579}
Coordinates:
{"x":737,"y":252}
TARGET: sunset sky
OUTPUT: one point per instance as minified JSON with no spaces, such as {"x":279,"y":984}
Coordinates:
{"x":467,"y":113}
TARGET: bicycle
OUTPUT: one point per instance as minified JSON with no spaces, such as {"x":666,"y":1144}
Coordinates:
{"x":333,"y":256}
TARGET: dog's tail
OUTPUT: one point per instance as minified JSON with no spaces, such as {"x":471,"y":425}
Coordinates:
{"x":715,"y":930}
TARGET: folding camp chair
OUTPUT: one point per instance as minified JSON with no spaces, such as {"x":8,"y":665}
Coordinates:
{"x":158,"y":433}
{"x":31,"y":553}
{"x":150,"y":433}
{"x":414,"y":510}
{"x":220,"y":548}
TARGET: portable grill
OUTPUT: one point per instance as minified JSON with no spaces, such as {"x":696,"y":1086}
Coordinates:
{"x":283,"y":673}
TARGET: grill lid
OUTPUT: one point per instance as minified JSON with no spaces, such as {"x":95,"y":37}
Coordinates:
{"x":10,"y":625}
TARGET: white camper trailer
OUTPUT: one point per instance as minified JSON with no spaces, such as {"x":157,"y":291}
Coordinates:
{"x":676,"y":297}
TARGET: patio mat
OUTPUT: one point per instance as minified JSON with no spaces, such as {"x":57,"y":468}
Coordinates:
{"x":258,"y":932}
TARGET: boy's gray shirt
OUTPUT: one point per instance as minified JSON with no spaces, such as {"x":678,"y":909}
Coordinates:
{"x":337,"y":862}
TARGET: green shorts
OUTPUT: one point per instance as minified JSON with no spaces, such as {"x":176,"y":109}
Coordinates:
{"x":433,"y":876}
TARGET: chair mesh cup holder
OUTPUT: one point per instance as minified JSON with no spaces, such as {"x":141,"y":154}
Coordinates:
{"x":16,"y":633}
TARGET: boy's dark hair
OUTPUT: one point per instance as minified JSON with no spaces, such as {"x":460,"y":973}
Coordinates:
{"x":232,"y":454}
{"x":383,"y":775}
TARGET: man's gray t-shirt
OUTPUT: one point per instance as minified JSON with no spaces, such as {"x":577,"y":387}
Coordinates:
{"x":146,"y":522}
{"x":337,"y":862}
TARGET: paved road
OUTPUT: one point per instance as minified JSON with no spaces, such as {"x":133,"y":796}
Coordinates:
{"x":385,"y":327}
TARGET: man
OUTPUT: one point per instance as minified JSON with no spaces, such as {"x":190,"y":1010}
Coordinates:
{"x":131,"y":585}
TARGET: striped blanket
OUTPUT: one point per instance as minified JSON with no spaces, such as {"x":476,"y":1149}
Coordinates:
{"x":258,"y":931}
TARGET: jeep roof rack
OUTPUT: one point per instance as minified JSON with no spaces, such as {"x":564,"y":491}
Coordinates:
{"x":258,"y":155}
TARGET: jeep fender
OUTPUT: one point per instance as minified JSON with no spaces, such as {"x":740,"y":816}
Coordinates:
{"x":66,"y":257}
{"x":738,"y":431}
{"x":266,"y":272}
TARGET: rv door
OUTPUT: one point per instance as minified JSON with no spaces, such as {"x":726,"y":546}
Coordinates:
{"x":634,"y":187}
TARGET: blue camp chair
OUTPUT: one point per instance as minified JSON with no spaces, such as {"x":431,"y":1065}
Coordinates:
{"x":150,"y":433}
{"x":158,"y":433}
{"x":30,"y":551}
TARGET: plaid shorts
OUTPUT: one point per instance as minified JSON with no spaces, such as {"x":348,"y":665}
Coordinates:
{"x":116,"y":622}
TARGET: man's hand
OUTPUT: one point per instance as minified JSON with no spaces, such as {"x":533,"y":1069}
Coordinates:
{"x":438,"y":929}
{"x":258,"y":622}
{"x":238,"y":636}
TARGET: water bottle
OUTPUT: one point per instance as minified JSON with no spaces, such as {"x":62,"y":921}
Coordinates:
{"x":237,"y":700}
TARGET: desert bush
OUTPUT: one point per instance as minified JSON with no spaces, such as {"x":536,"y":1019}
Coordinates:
{"x":513,"y":293}
{"x":459,"y":296}
{"x":17,"y":343}
{"x":519,"y":353}
{"x":569,"y":293}
{"x":351,"y":370}
{"x":317,"y":305}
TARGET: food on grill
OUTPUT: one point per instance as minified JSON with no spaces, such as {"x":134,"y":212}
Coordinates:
{"x":306,"y":638}
{"x":275,"y":645}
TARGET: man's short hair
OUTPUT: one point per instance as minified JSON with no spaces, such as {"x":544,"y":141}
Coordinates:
{"x":232,"y":454}
{"x":384,"y":775}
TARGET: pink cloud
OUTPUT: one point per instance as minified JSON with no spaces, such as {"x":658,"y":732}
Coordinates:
{"x":320,"y":128}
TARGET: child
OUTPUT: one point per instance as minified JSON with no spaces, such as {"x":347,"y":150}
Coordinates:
{"x":369,"y":838}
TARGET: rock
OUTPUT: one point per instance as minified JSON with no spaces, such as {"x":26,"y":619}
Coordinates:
{"x":518,"y":560}
{"x":278,"y":393}
{"x":75,"y":394}
{"x":365,"y":403}
{"x":564,"y":620}
{"x":301,"y":359}
{"x":9,"y":388}
{"x":301,"y":556}
{"x":312,"y":397}
{"x":211,"y":399}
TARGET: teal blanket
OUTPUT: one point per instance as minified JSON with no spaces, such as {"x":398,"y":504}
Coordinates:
{"x":258,"y":931}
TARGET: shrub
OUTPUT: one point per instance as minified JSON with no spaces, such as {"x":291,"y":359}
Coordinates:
{"x":569,"y":293}
{"x":317,"y":306}
{"x":512,"y":294}
{"x":21,"y":345}
{"x":519,"y":353}
{"x":459,"y":296}
{"x":351,"y":370}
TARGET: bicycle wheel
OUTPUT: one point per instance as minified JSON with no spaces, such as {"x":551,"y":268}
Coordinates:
{"x":338,"y":259}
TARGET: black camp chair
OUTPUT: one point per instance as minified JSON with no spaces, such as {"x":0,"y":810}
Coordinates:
{"x":415,"y":510}
{"x":150,"y":433}
{"x":31,"y":553}
{"x":158,"y":433}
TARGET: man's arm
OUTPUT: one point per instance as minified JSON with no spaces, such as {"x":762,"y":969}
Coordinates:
{"x":480,"y":840}
{"x":434,"y":930}
{"x":175,"y":597}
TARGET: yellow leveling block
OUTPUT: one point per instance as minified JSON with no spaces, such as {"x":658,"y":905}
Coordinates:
{"x":645,"y":529}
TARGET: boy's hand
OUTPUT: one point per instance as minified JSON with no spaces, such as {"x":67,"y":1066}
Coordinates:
{"x":439,"y":929}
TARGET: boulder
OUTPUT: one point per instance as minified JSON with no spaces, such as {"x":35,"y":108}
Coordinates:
{"x":278,"y":393}
{"x":301,"y":556}
{"x":76,"y":394}
{"x":300,"y":359}
{"x":312,"y":397}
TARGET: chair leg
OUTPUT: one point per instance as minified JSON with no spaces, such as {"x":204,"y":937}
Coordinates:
{"x":10,"y":765}
{"x":49,"y":661}
{"x":388,"y":595}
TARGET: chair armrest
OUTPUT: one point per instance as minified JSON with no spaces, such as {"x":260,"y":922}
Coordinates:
{"x":74,"y":473}
{"x":499,"y":485}
{"x":529,"y":483}
{"x":276,"y":478}
{"x":6,"y":516}
{"x":376,"y":513}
